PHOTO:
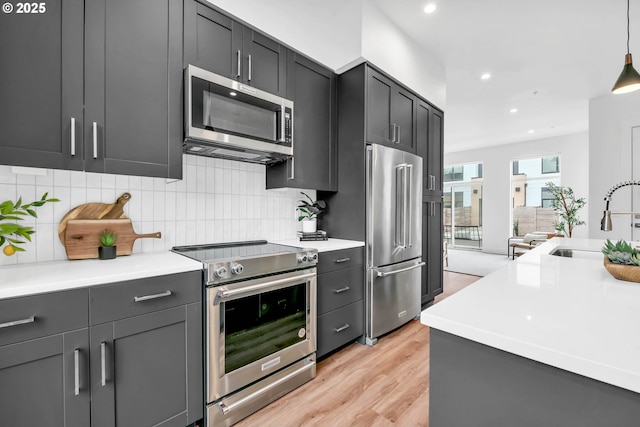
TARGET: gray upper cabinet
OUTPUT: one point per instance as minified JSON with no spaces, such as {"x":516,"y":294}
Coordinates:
{"x":41,"y":87}
{"x":94,"y":86}
{"x":312,"y":88}
{"x":391,"y":113}
{"x":219,"y":44}
{"x":133,"y":75}
{"x":429,"y":147}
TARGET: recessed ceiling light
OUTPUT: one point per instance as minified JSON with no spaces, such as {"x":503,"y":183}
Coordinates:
{"x":513,"y":110}
{"x":485,"y":76}
{"x":430,"y":8}
{"x":531,"y":131}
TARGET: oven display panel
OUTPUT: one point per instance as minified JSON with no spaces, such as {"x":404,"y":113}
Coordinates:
{"x":259,"y":325}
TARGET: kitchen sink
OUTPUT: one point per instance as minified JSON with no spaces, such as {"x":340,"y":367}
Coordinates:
{"x":576,"y":253}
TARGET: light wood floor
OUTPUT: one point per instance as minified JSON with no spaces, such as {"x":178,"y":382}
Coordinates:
{"x":379,"y":386}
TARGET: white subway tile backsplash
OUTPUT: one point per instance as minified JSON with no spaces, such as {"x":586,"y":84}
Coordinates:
{"x":216,"y":201}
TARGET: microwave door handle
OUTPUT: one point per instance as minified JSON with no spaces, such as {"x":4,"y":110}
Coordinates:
{"x":282,"y":124}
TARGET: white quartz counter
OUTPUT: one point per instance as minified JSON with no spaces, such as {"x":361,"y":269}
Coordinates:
{"x":27,"y":279}
{"x":565,"y":312}
{"x":323,"y":245}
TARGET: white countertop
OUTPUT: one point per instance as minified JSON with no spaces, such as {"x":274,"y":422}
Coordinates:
{"x":323,"y":245}
{"x":27,"y":279}
{"x":565,"y":312}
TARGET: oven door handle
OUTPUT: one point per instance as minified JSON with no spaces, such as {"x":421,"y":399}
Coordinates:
{"x":252,"y":289}
{"x":225,"y":409}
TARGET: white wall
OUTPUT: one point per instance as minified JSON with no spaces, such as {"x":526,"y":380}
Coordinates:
{"x":343,"y":33}
{"x":611,"y":118}
{"x":496,"y":160}
{"x":216,"y":201}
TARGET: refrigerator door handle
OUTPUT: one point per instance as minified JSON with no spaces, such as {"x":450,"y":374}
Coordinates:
{"x":408,"y":203}
{"x":402,"y":270}
{"x":401,"y":206}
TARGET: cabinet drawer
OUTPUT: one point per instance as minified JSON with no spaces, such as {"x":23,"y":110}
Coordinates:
{"x":339,"y":327}
{"x":41,"y":315}
{"x":337,"y":260}
{"x":132,"y":298}
{"x":340,"y":288}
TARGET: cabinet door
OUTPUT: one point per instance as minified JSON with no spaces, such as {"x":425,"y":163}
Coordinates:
{"x":431,"y":249}
{"x":264,"y":63}
{"x":436,"y":141}
{"x":403,"y":116}
{"x":423,"y":119}
{"x":212,"y":41}
{"x":45,"y":382}
{"x":133,"y":66}
{"x":378,"y":115}
{"x":41,"y":86}
{"x":140,"y":372}
{"x":314,"y":165}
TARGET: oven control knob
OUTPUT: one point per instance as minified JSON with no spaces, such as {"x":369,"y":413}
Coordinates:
{"x":220,"y":271}
{"x":237,"y":268}
{"x":303,"y":258}
{"x":313,"y":257}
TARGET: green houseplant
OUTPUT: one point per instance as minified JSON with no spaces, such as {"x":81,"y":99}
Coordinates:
{"x":107,"y":250}
{"x":13,"y":234}
{"x":309,"y":211}
{"x":566,"y":206}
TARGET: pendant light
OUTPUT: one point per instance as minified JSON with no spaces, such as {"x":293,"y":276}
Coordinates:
{"x":629,"y":79}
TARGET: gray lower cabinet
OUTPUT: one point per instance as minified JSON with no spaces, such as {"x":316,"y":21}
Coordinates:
{"x":146,"y":359}
{"x":125,"y":354}
{"x":312,"y":88}
{"x":44,"y":360}
{"x":432,"y":240}
{"x":340,"y":299}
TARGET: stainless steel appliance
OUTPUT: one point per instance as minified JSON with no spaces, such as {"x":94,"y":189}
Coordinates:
{"x":394,"y":239}
{"x":228,"y":119}
{"x":260,"y":324}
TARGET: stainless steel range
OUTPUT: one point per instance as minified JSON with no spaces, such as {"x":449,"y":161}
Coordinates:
{"x":260,"y":324}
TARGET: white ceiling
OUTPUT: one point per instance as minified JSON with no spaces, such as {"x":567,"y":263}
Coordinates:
{"x":547,"y":58}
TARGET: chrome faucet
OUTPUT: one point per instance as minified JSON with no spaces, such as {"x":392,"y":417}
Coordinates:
{"x":605,"y":223}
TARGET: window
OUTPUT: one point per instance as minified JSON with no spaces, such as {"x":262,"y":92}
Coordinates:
{"x":453,"y":173}
{"x":462,"y":205}
{"x":550,"y":164}
{"x":547,"y":198}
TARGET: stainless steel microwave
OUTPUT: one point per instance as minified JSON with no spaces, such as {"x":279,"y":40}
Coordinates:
{"x":228,"y":119}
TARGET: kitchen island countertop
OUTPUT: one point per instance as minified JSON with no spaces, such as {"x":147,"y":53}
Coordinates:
{"x":35,"y":278}
{"x":569,"y":313}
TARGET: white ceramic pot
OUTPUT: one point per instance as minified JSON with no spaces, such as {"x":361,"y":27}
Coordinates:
{"x":309,"y":226}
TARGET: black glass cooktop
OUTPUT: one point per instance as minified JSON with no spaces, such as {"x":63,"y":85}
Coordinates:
{"x":233,"y":251}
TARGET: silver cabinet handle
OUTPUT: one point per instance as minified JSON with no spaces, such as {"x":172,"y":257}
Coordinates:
{"x":103,"y":364}
{"x":393,"y":132}
{"x":76,"y":371}
{"x":398,"y":135}
{"x":341,"y":260}
{"x":239,"y":63}
{"x":342,"y":328}
{"x":95,"y":140}
{"x":341,"y":290}
{"x":73,"y":136}
{"x":148,"y":297}
{"x":249,"y":79}
{"x":18,"y":322}
{"x":402,"y":270}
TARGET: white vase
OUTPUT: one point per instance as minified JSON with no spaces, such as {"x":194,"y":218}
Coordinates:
{"x":309,"y":226}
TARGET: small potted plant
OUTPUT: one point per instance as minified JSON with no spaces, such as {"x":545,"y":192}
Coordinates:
{"x":622,"y":260}
{"x":107,"y":250}
{"x":309,"y":211}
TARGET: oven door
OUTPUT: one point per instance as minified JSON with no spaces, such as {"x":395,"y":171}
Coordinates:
{"x":257,"y":327}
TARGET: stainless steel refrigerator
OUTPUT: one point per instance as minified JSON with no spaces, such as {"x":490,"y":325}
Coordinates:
{"x":393,"y":239}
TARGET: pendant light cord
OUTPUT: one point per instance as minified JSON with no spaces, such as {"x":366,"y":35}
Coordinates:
{"x":628,"y":27}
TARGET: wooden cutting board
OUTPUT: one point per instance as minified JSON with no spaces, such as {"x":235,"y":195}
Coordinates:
{"x":94,"y":210}
{"x":82,"y":237}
